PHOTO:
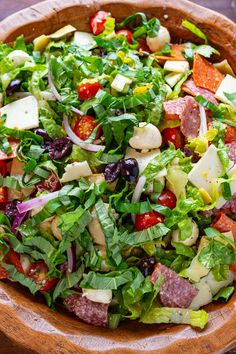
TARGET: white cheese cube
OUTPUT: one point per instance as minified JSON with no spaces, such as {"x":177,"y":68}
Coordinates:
{"x":176,"y":66}
{"x":206,"y":169}
{"x":172,"y":79}
{"x":203,"y":297}
{"x":224,"y":67}
{"x":19,"y":57}
{"x":84,"y":39}
{"x":228,"y":85}
{"x":146,"y":136}
{"x":76,"y":170}
{"x":22,"y":114}
{"x":121,"y":83}
{"x":98,"y":295}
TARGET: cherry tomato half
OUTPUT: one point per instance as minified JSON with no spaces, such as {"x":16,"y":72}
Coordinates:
{"x":167,"y":199}
{"x":97,"y":22}
{"x":84,"y":127}
{"x":128,"y":34}
{"x":88,"y":90}
{"x":146,"y":220}
{"x":3,"y":195}
{"x":230,"y":135}
{"x":13,"y":258}
{"x":174,"y":136}
{"x":3,"y":273}
{"x":38,"y":272}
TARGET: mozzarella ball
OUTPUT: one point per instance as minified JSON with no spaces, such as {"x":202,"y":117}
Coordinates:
{"x":19,"y":57}
{"x":157,"y":43}
{"x":190,"y":241}
{"x":146,"y":136}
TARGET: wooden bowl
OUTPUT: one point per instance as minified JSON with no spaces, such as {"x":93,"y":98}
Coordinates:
{"x":27,"y":322}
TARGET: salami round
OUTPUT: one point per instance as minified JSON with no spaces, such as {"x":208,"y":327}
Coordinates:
{"x":89,"y":311}
{"x":187,"y":110}
{"x":232,"y":151}
{"x":190,"y":88}
{"x":175,"y":291}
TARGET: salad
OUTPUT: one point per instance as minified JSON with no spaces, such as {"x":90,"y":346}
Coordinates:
{"x":117,"y":171}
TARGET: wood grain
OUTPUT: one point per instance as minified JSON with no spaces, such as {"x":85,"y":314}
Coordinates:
{"x":29,"y":326}
{"x":8,"y":7}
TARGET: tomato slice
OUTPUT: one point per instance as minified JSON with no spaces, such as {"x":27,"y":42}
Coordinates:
{"x":13,"y":258}
{"x":174,"y":136}
{"x":84,"y":127}
{"x":230,"y":135}
{"x":88,"y":90}
{"x":128,"y":34}
{"x":146,"y":220}
{"x":167,"y":199}
{"x":97,"y":22}
{"x":223,"y":223}
{"x":38,"y":272}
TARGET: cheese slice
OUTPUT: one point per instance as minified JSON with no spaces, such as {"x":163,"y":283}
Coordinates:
{"x":176,"y":66}
{"x":84,"y":39}
{"x":22,"y":114}
{"x":206,"y":169}
{"x":228,"y":85}
{"x":172,"y":78}
{"x":76,"y":170}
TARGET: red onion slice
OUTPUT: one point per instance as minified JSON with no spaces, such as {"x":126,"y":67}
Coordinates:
{"x":76,"y":140}
{"x":56,"y":93}
{"x":138,"y":192}
{"x":36,"y":202}
{"x":71,"y":256}
{"x":203,"y":124}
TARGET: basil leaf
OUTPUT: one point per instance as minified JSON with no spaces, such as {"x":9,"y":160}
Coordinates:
{"x":154,"y":233}
{"x":68,"y":282}
{"x":194,"y":29}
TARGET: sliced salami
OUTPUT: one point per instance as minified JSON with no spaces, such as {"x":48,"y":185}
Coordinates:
{"x":175,"y":291}
{"x":187,"y":110}
{"x":89,"y":311}
{"x":232,"y":151}
{"x":190,"y":88}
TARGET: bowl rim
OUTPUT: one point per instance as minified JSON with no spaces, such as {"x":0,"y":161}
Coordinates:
{"x":183,"y":335}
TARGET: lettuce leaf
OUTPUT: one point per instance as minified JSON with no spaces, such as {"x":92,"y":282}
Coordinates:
{"x":175,"y":315}
{"x":194,"y":29}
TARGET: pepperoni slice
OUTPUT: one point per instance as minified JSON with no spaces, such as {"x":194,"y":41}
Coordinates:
{"x":175,"y":55}
{"x":205,"y":75}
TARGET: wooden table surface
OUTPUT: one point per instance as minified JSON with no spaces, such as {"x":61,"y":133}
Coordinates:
{"x":7,"y":7}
